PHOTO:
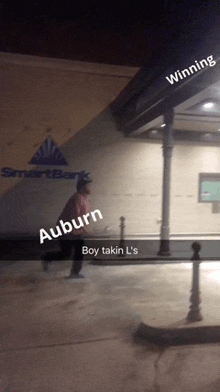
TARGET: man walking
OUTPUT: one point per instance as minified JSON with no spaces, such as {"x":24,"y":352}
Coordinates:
{"x":77,"y":206}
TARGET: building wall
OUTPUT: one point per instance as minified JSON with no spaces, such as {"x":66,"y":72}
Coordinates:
{"x":122,"y":180}
{"x":127,"y":173}
{"x":187,"y":215}
{"x":41,"y":97}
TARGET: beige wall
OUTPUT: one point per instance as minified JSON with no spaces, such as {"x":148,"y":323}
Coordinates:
{"x":187,"y":215}
{"x":127,"y":180}
{"x":41,"y":96}
{"x":127,"y":173}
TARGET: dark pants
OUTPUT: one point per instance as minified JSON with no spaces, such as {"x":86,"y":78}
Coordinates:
{"x":66,"y":247}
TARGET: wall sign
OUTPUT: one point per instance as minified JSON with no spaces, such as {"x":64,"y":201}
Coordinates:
{"x":47,"y":154}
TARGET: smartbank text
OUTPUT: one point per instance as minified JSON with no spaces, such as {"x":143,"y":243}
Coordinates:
{"x":52,"y":174}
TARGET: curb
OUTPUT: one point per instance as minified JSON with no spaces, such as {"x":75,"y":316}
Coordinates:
{"x":178,"y":336}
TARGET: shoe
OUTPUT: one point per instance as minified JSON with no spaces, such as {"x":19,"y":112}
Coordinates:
{"x":80,"y":276}
{"x":76,"y":276}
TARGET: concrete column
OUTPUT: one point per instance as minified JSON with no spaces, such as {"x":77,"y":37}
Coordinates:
{"x":167,"y":155}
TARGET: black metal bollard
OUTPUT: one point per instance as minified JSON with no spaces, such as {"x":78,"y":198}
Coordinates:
{"x":194,"y":313}
{"x":122,"y":237}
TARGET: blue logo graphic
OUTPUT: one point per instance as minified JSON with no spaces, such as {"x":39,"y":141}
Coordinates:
{"x":48,"y":154}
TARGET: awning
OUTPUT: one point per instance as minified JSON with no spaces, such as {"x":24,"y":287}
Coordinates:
{"x":195,"y":98}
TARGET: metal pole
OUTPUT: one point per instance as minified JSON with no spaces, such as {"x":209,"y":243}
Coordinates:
{"x":167,"y":155}
{"x":194,"y":313}
{"x":122,"y":241}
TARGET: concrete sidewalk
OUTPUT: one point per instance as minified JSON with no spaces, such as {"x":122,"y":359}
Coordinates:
{"x":63,"y":335}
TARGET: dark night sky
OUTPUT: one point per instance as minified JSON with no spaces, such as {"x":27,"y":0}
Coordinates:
{"x":99,"y":12}
{"x":110,"y":31}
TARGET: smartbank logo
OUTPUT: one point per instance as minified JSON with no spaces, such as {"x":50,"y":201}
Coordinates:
{"x":47,"y":154}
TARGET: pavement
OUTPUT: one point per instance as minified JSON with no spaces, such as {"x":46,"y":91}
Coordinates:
{"x":59,"y":334}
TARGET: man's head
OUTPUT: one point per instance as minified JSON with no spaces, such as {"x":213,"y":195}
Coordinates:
{"x":83,"y":186}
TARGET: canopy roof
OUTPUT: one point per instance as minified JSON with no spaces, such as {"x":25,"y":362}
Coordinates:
{"x":140,"y":107}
